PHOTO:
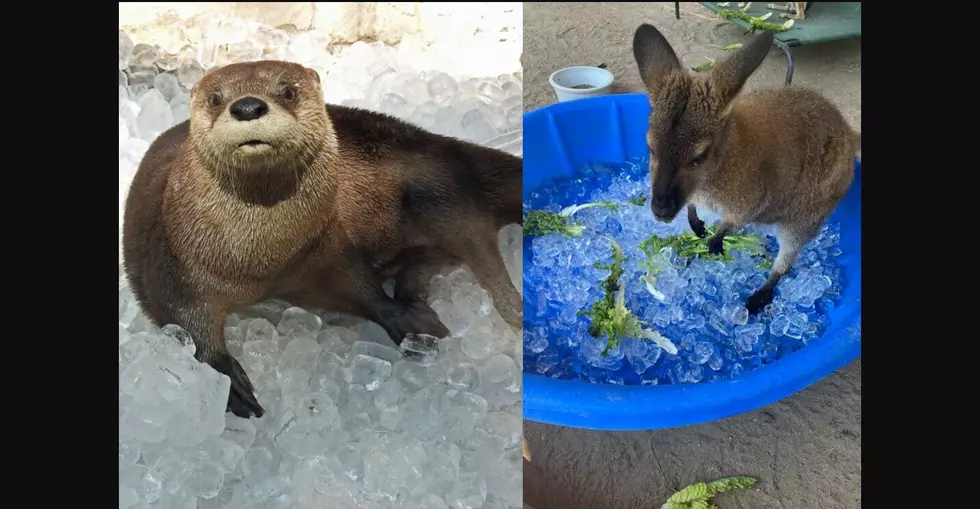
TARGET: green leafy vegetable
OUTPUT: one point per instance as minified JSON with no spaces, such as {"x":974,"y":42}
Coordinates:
{"x":704,"y":66}
{"x":698,"y":495}
{"x":541,"y":222}
{"x":568,"y":211}
{"x":689,"y":245}
{"x":610,"y":317}
{"x":638,"y":200}
{"x":756,"y":22}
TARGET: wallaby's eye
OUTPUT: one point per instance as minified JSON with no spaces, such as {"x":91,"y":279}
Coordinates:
{"x":697,"y":160}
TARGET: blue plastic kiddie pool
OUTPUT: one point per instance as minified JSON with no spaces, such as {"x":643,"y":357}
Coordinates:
{"x":562,"y":140}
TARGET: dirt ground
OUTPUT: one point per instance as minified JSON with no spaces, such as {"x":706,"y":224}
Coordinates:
{"x":805,"y":449}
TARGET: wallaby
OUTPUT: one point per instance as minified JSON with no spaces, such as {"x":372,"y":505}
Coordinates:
{"x":779,"y":156}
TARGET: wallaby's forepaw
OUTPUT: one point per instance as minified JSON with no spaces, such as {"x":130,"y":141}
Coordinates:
{"x":241,"y":397}
{"x":698,"y":228}
{"x":413,"y":318}
{"x":759,"y":300}
{"x":716,"y":245}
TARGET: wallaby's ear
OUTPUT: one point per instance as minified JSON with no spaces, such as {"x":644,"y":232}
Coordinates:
{"x":654,"y":57}
{"x":729,"y":76}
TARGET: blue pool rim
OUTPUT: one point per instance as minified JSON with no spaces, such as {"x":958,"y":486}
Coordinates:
{"x":559,"y":141}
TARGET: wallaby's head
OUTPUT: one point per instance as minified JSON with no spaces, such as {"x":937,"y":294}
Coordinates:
{"x":688,"y":122}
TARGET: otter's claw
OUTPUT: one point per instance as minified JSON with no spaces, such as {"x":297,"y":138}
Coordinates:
{"x":412,"y":317}
{"x":241,"y":397}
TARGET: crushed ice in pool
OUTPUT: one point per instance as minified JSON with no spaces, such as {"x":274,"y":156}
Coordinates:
{"x":700,"y":306}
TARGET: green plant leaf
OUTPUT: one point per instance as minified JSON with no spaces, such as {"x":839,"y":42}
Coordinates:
{"x":696,"y":491}
{"x":730,"y":483}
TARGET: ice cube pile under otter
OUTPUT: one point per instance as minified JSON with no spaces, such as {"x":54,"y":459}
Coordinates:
{"x":351,"y":421}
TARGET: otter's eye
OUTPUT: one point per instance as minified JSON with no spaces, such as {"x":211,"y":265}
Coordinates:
{"x":697,"y":160}
{"x":289,"y":93}
{"x":214,"y":99}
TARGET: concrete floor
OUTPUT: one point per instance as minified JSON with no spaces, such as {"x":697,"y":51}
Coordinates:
{"x":805,"y":449}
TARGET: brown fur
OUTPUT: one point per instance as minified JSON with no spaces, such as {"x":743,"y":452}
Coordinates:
{"x":340,"y":199}
{"x":781,"y":156}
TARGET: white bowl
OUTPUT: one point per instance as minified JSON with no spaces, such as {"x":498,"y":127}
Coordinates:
{"x":592,"y":80}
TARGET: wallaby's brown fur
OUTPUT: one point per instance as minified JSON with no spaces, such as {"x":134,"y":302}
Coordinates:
{"x":781,"y":156}
{"x":265,"y":193}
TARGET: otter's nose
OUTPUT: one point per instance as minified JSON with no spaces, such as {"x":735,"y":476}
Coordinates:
{"x":248,"y":108}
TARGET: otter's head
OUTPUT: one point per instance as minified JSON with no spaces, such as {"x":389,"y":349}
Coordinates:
{"x":259,"y":116}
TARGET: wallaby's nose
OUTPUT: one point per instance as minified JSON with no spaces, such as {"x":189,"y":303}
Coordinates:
{"x":664,"y":207}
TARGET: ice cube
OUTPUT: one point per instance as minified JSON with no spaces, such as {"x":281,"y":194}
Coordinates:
{"x":207,"y":480}
{"x":443,"y":89}
{"x":421,"y":348}
{"x":145,"y":56}
{"x":298,"y":321}
{"x":375,"y":350}
{"x":125,"y":50}
{"x":468,"y":492}
{"x":478,"y":345}
{"x":189,"y":72}
{"x":411,"y":375}
{"x":416,"y":91}
{"x":127,"y":495}
{"x":330,"y":342}
{"x":180,"y":337}
{"x":779,"y":325}
{"x":300,"y":354}
{"x":369,"y":371}
{"x":430,"y":501}
{"x":155,"y":116}
{"x":167,"y":84}
{"x":701,"y":352}
{"x":463,"y":376}
{"x":394,"y":105}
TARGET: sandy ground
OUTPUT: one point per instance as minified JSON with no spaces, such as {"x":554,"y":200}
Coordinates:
{"x":805,"y":449}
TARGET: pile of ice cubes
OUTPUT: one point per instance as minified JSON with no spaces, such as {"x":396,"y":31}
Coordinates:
{"x":351,"y":420}
{"x":701,"y":306}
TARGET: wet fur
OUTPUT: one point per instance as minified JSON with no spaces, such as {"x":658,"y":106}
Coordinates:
{"x":350,"y":198}
{"x":780,"y":156}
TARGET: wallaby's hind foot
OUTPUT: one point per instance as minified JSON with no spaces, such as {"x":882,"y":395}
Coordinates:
{"x":791,"y":239}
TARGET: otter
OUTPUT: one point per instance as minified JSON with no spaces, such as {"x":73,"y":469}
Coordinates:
{"x":265,"y":192}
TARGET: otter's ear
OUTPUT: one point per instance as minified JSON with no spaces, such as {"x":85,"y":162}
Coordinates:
{"x":654,"y":57}
{"x":729,"y":76}
{"x":313,"y":74}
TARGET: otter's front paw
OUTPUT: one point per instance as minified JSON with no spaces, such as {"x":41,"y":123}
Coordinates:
{"x":414,"y":317}
{"x":716,"y":245}
{"x":241,"y":397}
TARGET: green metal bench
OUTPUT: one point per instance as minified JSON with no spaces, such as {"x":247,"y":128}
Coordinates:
{"x":825,"y":22}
